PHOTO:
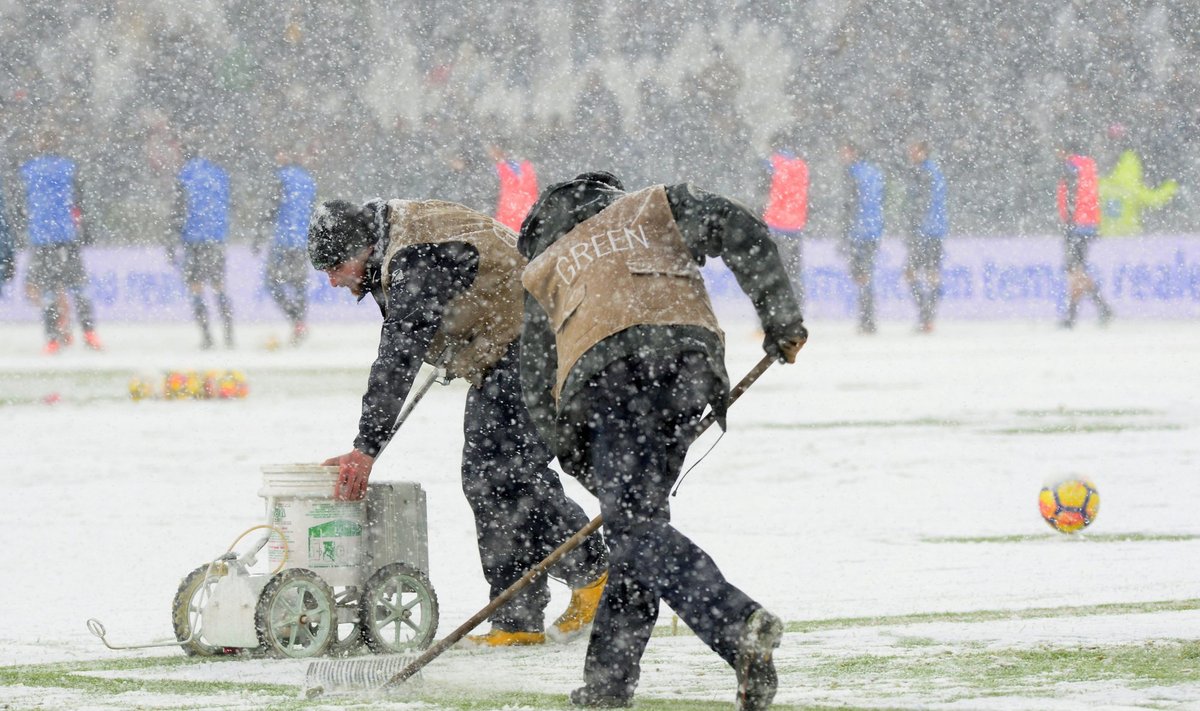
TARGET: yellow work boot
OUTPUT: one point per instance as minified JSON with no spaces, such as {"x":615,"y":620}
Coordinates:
{"x":580,"y":612}
{"x":506,"y":638}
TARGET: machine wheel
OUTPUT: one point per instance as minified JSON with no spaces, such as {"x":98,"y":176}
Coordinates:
{"x":296,"y":615}
{"x":187,"y":609}
{"x":399,"y":610}
{"x":349,"y":630}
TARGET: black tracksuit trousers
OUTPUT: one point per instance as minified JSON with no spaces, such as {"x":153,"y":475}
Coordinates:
{"x":639,"y":417}
{"x":521,"y":511}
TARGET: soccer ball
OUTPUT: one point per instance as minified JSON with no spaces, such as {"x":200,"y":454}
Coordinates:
{"x":1070,"y":504}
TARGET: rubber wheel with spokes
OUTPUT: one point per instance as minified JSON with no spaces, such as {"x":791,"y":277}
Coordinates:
{"x":296,"y":615}
{"x":348,"y":637}
{"x":399,"y":610}
{"x":187,"y":610}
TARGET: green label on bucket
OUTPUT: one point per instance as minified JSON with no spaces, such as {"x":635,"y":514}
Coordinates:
{"x":324,"y":543}
{"x":339,"y":528}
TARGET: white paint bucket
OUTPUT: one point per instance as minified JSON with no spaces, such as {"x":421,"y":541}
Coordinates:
{"x":323,"y":535}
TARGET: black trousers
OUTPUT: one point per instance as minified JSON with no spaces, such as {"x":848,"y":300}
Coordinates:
{"x":639,"y":417}
{"x":521,"y":511}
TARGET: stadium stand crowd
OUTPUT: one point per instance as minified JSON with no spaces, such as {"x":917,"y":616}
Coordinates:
{"x":406,"y":98}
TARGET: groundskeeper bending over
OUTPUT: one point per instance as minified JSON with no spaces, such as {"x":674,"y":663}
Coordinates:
{"x":446,"y":279}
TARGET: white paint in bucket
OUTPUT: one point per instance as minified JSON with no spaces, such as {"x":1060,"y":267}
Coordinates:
{"x":323,"y":535}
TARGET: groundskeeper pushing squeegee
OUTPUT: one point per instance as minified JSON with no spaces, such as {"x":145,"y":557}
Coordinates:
{"x":364,"y":675}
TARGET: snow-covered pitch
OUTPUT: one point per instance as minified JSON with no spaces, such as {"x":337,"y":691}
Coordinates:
{"x":880,"y":496}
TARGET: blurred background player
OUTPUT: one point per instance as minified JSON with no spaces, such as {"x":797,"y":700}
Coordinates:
{"x":863,"y":227}
{"x":55,"y":228}
{"x":786,"y":212}
{"x":1124,"y":193}
{"x":202,"y":220}
{"x":927,"y":226}
{"x":287,"y":266}
{"x":518,"y":187}
{"x":1079,"y":211}
{"x":446,"y":279}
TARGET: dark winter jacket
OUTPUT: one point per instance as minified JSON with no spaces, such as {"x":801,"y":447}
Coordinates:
{"x":712,"y":226}
{"x":424,"y":278}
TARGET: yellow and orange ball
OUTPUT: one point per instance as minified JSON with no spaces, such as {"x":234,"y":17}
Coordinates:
{"x":1069,"y":505}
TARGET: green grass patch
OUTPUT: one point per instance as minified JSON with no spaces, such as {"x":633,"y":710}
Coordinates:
{"x":1119,"y":608}
{"x":861,"y":424}
{"x":1025,"y":672}
{"x":1095,"y":412}
{"x":1029,"y":613}
{"x":907,"y":642}
{"x":1064,"y":420}
{"x":75,"y":676}
{"x":473,"y":700}
{"x":1082,"y":537}
{"x":920,"y":664}
{"x":1088,"y":428}
{"x":66,"y":400}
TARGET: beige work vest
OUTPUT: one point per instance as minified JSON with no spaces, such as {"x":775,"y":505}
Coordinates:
{"x":479,"y":324}
{"x":627,"y":266}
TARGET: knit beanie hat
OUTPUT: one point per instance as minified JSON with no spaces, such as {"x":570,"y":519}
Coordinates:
{"x":337,"y":231}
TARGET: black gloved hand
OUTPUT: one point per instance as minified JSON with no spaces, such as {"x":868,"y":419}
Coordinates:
{"x":784,"y":342}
